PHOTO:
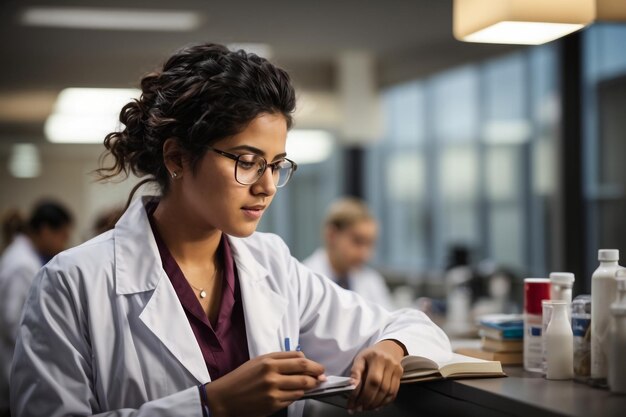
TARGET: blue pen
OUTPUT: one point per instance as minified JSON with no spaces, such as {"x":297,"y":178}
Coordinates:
{"x":287,"y":346}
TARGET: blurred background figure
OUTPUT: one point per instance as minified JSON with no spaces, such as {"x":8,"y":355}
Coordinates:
{"x":12,"y":225}
{"x":47,"y":233}
{"x":350,"y":234}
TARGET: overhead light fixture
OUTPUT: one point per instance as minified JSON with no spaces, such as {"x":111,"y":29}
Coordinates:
{"x":309,"y":146}
{"x":524,"y":22}
{"x":112,"y":19}
{"x":24,"y":161}
{"x":611,"y":10}
{"x":87,"y":115}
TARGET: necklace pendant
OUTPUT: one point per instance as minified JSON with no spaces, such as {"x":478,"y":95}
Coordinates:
{"x":202,"y":293}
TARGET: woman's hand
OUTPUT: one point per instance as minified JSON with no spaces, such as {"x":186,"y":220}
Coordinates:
{"x":377,"y":371}
{"x":263,"y":385}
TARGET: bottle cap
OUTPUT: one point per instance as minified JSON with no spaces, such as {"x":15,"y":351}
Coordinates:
{"x":608,"y":255}
{"x":620,"y":273}
{"x":562,"y":278}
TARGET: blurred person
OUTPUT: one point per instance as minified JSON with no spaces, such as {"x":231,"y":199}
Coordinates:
{"x":350,"y":234}
{"x":12,"y":225}
{"x":47,"y":233}
{"x":183,"y":309}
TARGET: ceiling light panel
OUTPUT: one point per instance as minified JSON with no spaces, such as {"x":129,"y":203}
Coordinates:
{"x":112,"y":19}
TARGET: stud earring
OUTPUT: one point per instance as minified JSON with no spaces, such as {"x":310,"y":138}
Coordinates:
{"x":174,"y":174}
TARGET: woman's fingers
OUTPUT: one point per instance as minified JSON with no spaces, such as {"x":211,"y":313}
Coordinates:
{"x":357,"y":374}
{"x":299,"y":366}
{"x":379,"y":383}
{"x":297,"y":382}
{"x":383,"y":390}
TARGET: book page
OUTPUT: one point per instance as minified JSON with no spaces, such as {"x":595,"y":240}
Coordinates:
{"x":461,"y":365}
{"x":418,"y":363}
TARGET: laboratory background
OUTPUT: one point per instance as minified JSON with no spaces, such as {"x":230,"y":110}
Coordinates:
{"x":482,"y":163}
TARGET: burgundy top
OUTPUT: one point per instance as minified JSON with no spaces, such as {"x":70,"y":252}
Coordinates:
{"x":224,"y":344}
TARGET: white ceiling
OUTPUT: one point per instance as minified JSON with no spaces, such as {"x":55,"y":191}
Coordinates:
{"x":409,"y":38}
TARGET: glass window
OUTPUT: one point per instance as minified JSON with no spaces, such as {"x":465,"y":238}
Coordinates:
{"x":396,"y":180}
{"x":604,"y":93}
{"x":455,"y":105}
{"x":505,"y":135}
{"x":455,"y":112}
{"x":468,"y":159}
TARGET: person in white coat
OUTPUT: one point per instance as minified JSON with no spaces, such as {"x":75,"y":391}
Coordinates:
{"x":48,"y":233}
{"x":350,"y":234}
{"x":182,"y":309}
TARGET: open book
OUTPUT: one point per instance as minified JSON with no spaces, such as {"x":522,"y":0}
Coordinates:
{"x":416,"y":369}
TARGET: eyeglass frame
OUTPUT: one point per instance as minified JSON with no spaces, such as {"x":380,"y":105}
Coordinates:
{"x":272,"y":165}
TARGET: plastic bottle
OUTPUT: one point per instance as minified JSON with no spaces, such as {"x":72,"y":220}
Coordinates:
{"x":560,"y":343}
{"x":535,"y":290}
{"x":561,"y":284}
{"x":603,"y":288}
{"x":581,"y":326}
{"x":617,"y":338}
{"x":546,"y":316}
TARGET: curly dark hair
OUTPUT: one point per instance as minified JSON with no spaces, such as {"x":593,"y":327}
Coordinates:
{"x":203,"y":94}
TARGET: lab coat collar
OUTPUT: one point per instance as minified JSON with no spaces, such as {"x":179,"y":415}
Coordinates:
{"x":263,"y":307}
{"x":137,"y":261}
{"x":138,"y":269}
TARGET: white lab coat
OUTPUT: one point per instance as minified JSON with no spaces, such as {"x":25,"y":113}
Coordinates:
{"x":18,"y":266}
{"x":104,"y":332}
{"x":365,"y":281}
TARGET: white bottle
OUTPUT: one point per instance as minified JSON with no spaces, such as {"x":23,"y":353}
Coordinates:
{"x":603,"y":289}
{"x":559,"y":343}
{"x":561,"y":284}
{"x":617,"y":338}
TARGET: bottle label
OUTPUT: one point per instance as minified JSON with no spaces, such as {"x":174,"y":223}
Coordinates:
{"x":534,"y":331}
{"x":533,"y":348}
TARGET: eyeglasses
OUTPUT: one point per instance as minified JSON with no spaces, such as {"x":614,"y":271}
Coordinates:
{"x":249,"y":168}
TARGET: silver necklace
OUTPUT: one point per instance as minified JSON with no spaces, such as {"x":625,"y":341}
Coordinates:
{"x":201,"y":291}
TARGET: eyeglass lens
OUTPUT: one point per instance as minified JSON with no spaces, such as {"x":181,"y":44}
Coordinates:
{"x":251,"y":167}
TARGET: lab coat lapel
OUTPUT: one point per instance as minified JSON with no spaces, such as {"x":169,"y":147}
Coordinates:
{"x":138,"y":269}
{"x":165,"y":317}
{"x":263,"y":307}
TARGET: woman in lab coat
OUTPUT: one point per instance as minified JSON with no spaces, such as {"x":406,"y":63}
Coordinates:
{"x":182,"y":309}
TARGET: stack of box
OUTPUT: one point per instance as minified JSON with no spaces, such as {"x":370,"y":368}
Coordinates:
{"x":501,"y":339}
